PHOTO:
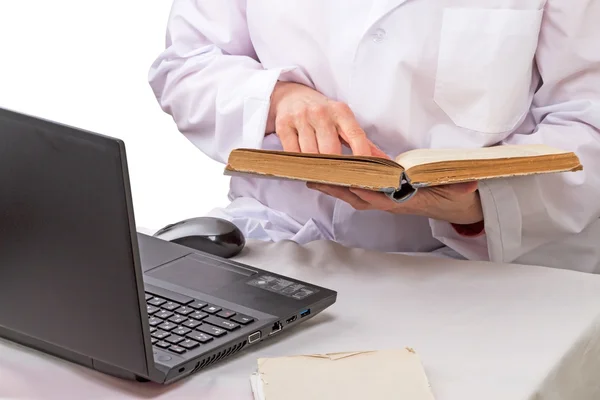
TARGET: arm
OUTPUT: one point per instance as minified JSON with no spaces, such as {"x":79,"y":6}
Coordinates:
{"x":523,"y":215}
{"x":209,"y":80}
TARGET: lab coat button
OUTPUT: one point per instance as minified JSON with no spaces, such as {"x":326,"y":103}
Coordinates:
{"x":379,"y":35}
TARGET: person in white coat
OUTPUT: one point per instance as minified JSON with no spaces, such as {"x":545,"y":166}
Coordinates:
{"x":382,"y":77}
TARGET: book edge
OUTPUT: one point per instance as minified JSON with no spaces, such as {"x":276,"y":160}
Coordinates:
{"x":341,"y":157}
{"x":228,"y":171}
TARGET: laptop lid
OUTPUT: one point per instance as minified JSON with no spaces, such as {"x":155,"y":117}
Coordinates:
{"x":69,"y":265}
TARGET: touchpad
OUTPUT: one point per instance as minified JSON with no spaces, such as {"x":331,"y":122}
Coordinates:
{"x":204,"y":275}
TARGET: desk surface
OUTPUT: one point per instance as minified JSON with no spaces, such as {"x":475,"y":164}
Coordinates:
{"x":483,"y":331}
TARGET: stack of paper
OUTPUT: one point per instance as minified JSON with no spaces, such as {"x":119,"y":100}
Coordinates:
{"x":391,"y":374}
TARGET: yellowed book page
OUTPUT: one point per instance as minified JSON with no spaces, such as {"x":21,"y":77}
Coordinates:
{"x":391,"y":374}
{"x":427,"y":156}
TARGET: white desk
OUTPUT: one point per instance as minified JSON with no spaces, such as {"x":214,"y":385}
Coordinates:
{"x":490,"y":332}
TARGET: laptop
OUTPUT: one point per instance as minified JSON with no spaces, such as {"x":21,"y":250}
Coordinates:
{"x":78,"y":281}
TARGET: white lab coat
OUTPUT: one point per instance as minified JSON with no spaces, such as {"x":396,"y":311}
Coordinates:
{"x":417,"y":74}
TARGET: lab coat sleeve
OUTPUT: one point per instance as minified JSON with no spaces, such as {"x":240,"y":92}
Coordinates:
{"x":209,"y":80}
{"x":524,"y":214}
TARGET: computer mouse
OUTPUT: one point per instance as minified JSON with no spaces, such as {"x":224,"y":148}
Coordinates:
{"x":211,"y":235}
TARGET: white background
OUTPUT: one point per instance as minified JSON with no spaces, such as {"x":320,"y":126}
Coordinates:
{"x":85,"y":63}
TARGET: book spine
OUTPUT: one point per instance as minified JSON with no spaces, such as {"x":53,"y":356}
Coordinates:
{"x":404,"y":192}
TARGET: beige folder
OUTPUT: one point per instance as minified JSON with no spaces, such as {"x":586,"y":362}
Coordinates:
{"x":387,"y":374}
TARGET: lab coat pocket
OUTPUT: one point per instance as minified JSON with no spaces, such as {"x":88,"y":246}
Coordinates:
{"x":485,"y":64}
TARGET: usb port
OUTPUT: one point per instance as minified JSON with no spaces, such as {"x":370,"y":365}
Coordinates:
{"x":305,"y":313}
{"x":290,"y":320}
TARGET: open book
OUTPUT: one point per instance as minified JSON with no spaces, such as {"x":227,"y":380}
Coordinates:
{"x":400,"y":178}
{"x":385,"y":374}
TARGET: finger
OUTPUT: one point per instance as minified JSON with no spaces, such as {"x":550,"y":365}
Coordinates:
{"x":377,"y":200}
{"x":455,"y":190}
{"x":464,"y":188}
{"x":350,"y":130}
{"x":328,"y":138}
{"x":288,"y":137}
{"x":343,"y":194}
{"x":377,"y":152}
{"x":306,"y":136}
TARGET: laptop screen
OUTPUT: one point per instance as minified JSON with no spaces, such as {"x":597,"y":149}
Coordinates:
{"x":67,"y":244}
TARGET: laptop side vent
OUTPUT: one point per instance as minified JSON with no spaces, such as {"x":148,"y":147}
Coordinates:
{"x":219,"y":356}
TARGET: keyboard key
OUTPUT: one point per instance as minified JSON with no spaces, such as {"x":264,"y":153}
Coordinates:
{"x":154,"y":340}
{"x":177,"y":349}
{"x":160,"y":334}
{"x":242,"y":319}
{"x":181,"y":331}
{"x":222,"y":323}
{"x":174,"y":339}
{"x":226,"y":314}
{"x":163,"y":314}
{"x":212,"y":330}
{"x":162,"y":344}
{"x":170,"y":306}
{"x":167,"y":294}
{"x":151,"y":309}
{"x":153,"y":321}
{"x":177,"y":319}
{"x":198,"y":315}
{"x":191,"y":323}
{"x":184,"y":310}
{"x":167,"y":326}
{"x":148,"y":296}
{"x":211,"y":309}
{"x":200,"y":337}
{"x":156,"y":301}
{"x":189,"y":344}
{"x":197,"y":305}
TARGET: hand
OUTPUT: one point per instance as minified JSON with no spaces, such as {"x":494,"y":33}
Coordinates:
{"x":458,"y":204}
{"x":308,"y":122}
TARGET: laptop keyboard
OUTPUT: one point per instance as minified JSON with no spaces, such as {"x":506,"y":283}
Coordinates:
{"x":180,"y":323}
